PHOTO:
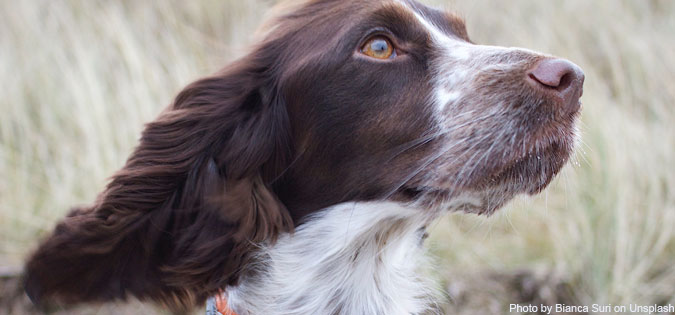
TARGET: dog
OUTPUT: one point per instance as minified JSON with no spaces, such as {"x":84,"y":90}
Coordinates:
{"x":300,"y":178}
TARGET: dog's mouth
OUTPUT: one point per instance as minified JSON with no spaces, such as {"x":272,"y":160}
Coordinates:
{"x":494,"y":185}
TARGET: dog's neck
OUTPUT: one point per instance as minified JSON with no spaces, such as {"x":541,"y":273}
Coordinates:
{"x":353,"y":258}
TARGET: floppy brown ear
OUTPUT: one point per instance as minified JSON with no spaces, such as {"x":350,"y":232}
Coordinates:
{"x":178,"y":221}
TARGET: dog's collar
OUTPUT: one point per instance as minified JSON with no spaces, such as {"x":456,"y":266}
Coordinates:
{"x":218,"y":305}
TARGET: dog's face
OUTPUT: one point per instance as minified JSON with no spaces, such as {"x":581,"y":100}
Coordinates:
{"x":390,"y":99}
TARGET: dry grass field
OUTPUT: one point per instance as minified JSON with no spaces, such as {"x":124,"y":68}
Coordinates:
{"x":80,"y":77}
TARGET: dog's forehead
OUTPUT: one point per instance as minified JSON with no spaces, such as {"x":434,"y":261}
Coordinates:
{"x":434,"y":20}
{"x":440,"y":23}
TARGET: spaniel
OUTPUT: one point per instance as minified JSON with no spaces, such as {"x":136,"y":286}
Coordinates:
{"x":300,"y":178}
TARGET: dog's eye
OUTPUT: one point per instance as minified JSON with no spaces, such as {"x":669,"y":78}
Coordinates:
{"x":379,"y":47}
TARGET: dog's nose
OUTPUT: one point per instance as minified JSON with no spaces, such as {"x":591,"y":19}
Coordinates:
{"x":562,"y":76}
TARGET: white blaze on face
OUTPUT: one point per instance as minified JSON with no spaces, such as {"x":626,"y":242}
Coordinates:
{"x":458,"y":63}
{"x":451,"y":50}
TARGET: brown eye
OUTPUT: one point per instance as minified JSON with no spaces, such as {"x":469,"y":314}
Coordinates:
{"x":378,"y":47}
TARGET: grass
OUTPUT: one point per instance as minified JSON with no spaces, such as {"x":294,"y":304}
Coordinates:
{"x":81,"y":77}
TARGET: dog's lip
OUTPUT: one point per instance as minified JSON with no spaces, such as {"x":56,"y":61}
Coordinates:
{"x":527,"y":172}
{"x":548,"y":160}
{"x":424,"y":192}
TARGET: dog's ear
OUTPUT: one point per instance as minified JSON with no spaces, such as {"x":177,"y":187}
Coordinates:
{"x":180,"y":219}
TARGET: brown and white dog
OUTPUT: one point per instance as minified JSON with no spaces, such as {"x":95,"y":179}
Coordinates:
{"x":300,"y":178}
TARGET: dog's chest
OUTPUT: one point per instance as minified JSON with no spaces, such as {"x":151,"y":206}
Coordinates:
{"x":354,"y":258}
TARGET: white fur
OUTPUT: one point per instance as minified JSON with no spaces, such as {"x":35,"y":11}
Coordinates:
{"x":353,"y":258}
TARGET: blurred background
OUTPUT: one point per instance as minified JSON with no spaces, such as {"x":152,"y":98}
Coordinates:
{"x":79,"y":79}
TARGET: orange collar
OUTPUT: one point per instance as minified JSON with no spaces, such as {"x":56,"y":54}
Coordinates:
{"x":221,"y":305}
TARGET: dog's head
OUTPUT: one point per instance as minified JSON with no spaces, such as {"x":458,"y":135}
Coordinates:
{"x":341,"y":101}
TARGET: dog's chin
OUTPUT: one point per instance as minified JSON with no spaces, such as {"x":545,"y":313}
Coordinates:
{"x":533,"y":172}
